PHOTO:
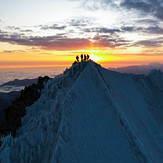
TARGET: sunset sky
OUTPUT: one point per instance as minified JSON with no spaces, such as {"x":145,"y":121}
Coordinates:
{"x":52,"y":32}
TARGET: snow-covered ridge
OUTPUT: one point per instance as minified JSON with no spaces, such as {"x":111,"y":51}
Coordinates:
{"x":91,"y":114}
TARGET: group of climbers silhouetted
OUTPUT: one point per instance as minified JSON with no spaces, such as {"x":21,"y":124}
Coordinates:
{"x":83,"y":57}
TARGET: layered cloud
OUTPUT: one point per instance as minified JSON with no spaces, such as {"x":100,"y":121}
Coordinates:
{"x":151,"y":43}
{"x":150,"y":7}
{"x":57,"y":42}
{"x":80,"y":22}
{"x":53,"y":27}
{"x":102,"y":30}
{"x":108,"y":42}
{"x":101,"y":36}
{"x":82,"y":31}
{"x":154,"y":7}
{"x":149,"y":30}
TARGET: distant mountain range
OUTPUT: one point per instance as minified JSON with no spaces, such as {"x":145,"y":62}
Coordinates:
{"x":142,"y":69}
{"x":23,"y":82}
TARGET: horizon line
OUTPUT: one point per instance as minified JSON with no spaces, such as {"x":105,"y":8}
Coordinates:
{"x":53,"y":64}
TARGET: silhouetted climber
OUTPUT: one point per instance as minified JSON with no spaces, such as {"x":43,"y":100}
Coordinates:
{"x":85,"y":58}
{"x":74,"y":63}
{"x":77,"y":58}
{"x":81,"y":57}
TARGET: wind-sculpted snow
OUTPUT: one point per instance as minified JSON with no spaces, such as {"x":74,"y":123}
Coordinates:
{"x":88,"y":115}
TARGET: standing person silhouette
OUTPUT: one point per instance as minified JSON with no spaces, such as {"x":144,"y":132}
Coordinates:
{"x":77,"y":58}
{"x":85,"y":58}
{"x":81,"y":57}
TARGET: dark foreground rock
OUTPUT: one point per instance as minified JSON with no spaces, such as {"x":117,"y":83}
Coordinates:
{"x":16,"y":111}
{"x":23,"y":82}
{"x":5,"y":101}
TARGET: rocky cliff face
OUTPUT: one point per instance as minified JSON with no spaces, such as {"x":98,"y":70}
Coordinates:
{"x":16,"y":111}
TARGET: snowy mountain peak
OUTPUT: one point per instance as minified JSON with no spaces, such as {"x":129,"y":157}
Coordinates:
{"x":91,"y":114}
{"x":77,"y":68}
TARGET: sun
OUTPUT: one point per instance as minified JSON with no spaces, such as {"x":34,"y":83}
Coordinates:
{"x":95,"y":57}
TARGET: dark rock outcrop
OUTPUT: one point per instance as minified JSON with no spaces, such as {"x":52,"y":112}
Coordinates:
{"x":16,"y":111}
{"x":5,"y":101}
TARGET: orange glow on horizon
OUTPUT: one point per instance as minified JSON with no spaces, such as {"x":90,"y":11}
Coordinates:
{"x":113,"y":57}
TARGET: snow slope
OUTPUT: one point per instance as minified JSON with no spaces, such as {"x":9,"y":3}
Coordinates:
{"x":91,"y":114}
